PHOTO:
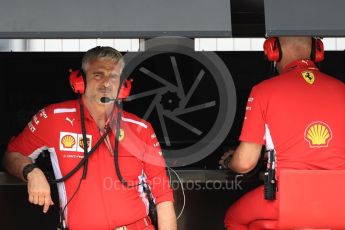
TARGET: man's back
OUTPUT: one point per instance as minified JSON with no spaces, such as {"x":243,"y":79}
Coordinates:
{"x":304,"y":111}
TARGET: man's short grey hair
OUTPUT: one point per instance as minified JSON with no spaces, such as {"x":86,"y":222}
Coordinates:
{"x":102,"y":52}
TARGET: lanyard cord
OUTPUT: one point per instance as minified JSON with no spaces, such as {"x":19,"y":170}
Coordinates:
{"x":146,"y":188}
{"x":116,"y":150}
{"x":84,"y":161}
{"x":83,"y":131}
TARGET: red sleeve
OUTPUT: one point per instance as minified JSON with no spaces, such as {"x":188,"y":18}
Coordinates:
{"x":253,"y":129}
{"x":32,"y":140}
{"x":154,"y":167}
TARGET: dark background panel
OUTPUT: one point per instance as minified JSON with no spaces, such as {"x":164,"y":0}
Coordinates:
{"x":247,"y":18}
{"x":17,"y":213}
{"x":30,"y":81}
{"x":207,"y":197}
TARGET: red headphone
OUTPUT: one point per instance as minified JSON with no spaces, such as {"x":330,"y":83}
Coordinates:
{"x":273,"y":50}
{"x":78,"y":84}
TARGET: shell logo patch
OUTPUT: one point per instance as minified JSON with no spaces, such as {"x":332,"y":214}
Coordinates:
{"x":68,"y":141}
{"x":308,"y":77}
{"x":73,"y":142}
{"x":318,"y":134}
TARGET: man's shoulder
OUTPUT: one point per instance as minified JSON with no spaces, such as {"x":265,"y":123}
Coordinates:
{"x":64,"y":104}
{"x":292,"y":81}
{"x":269,"y":83}
{"x":134,"y":120}
{"x":279,"y":84}
{"x":332,"y":80}
{"x":57,"y":109}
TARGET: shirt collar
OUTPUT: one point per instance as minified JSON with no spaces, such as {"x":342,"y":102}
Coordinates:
{"x":88,"y":115}
{"x":300,"y":64}
{"x":86,"y":111}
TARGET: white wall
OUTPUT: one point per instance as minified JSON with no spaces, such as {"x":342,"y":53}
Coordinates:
{"x":252,"y":44}
{"x":66,"y":45}
{"x":201,"y":44}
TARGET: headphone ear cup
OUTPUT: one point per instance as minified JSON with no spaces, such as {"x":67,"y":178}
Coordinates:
{"x":125,"y":90}
{"x":318,"y":52}
{"x":77,"y":81}
{"x":272,"y":49}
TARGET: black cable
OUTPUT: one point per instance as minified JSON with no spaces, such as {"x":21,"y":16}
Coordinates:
{"x":82,"y":120}
{"x":82,"y":162}
{"x":83,"y":129}
{"x":116,"y":149}
{"x":273,"y":70}
{"x":152,"y":206}
{"x":62,"y":213}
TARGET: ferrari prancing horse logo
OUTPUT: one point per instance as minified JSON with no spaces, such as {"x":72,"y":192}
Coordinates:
{"x":308,"y":77}
{"x":122,"y":134}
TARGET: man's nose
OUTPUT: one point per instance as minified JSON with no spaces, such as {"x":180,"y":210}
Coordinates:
{"x":106,"y":81}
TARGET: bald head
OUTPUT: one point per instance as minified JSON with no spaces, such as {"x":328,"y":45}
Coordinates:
{"x":294,"y":48}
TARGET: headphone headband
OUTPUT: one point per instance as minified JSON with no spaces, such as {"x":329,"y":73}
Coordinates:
{"x":274,"y":53}
{"x":77,"y":80}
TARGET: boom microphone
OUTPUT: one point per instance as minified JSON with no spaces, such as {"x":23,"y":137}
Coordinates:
{"x":107,"y":99}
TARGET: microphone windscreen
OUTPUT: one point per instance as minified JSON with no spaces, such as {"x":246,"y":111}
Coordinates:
{"x":105,"y":99}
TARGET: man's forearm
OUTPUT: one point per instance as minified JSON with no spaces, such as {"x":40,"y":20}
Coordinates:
{"x":238,"y":165}
{"x":166,"y":216}
{"x":15,"y":162}
{"x":245,"y":157}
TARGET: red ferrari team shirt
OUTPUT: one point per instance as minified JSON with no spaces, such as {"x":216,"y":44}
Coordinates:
{"x":301,"y":113}
{"x":101,"y":202}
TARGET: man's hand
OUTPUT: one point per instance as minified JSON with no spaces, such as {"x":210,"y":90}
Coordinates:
{"x":39,"y":189}
{"x":223,"y":160}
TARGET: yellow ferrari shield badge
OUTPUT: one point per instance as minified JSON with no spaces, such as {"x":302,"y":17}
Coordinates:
{"x":122,"y":135}
{"x":308,"y":77}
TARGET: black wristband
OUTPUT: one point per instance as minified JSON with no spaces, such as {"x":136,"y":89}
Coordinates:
{"x":27,"y":169}
{"x":227,"y":161}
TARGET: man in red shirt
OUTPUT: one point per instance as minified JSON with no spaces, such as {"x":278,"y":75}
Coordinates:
{"x":98,"y":199}
{"x":300,"y":113}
